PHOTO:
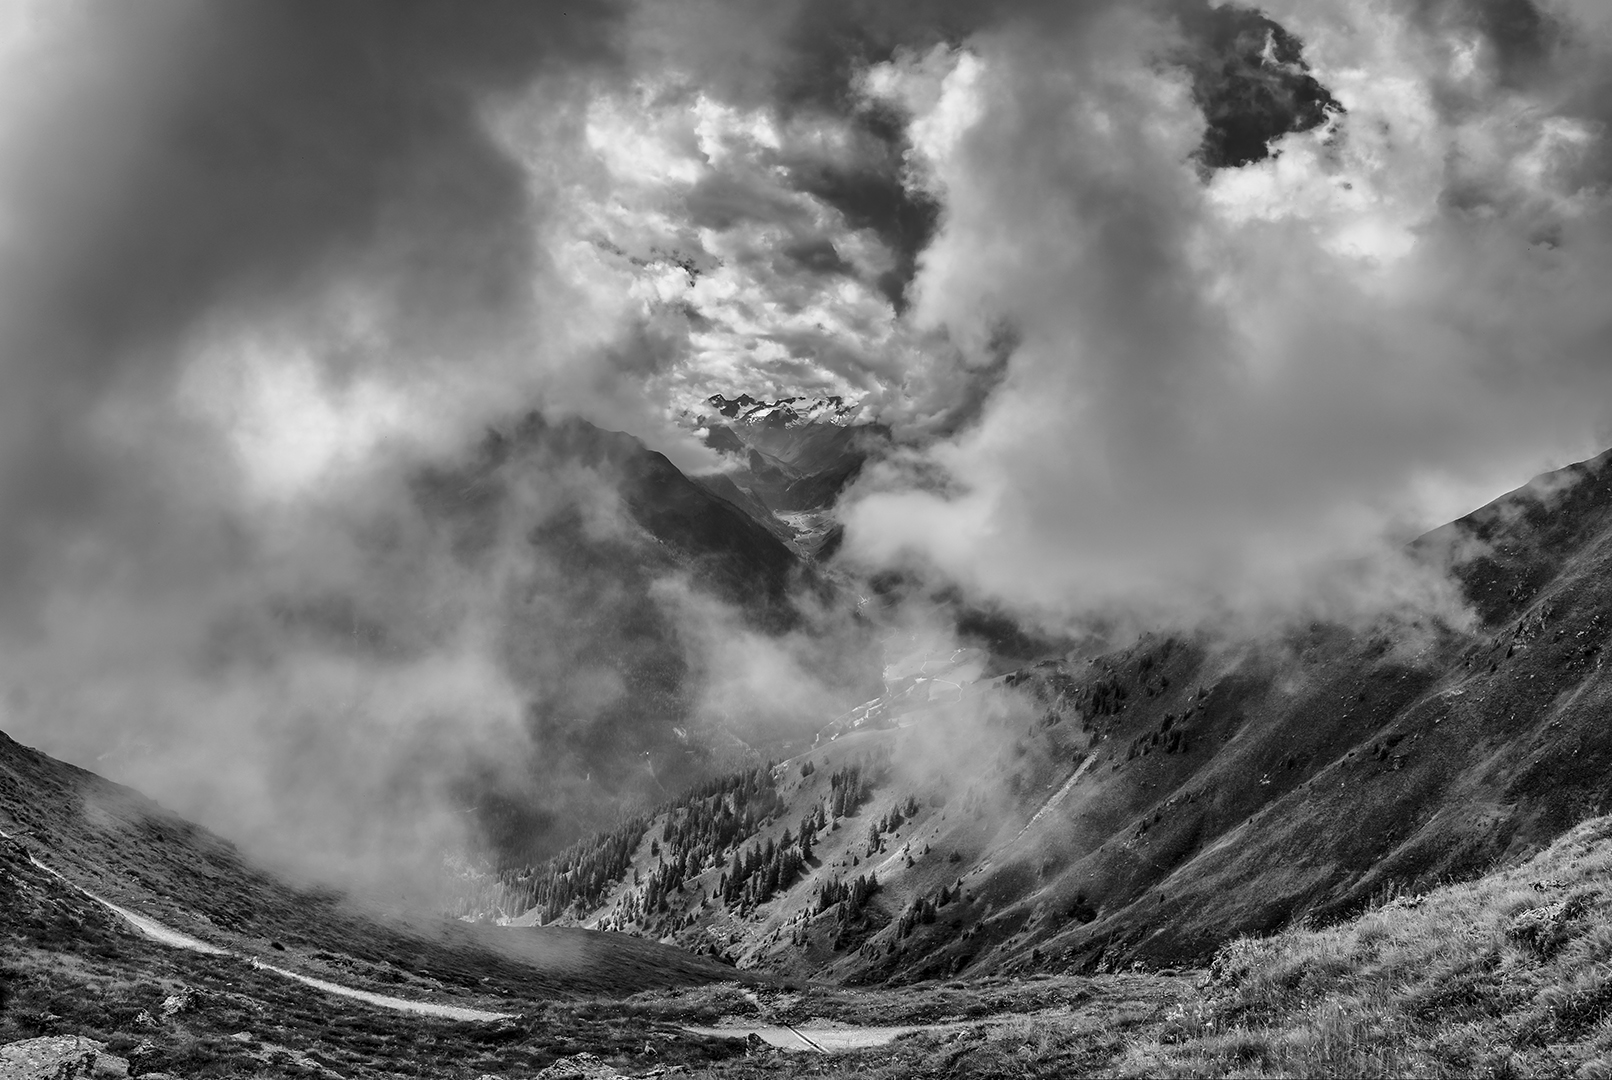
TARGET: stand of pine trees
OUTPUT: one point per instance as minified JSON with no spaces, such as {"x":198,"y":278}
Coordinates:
{"x":890,"y":822}
{"x":762,"y":872}
{"x":705,"y":828}
{"x":577,"y":878}
{"x":701,"y":824}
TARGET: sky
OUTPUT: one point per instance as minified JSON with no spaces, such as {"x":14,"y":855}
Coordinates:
{"x":262,"y":263}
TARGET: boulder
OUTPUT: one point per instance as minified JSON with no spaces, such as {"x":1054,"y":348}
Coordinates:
{"x":578,"y":1067}
{"x":60,"y":1057}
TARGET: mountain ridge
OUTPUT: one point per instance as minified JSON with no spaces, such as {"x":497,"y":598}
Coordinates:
{"x":1145,"y":804}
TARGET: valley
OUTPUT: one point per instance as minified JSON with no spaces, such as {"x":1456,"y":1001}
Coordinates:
{"x":1112,"y":860}
{"x":732,"y":540}
{"x":1143,"y":805}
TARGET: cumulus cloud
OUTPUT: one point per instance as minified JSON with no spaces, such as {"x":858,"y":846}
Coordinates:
{"x":1222,"y":387}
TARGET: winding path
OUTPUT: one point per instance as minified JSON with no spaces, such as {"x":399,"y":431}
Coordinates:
{"x":165,"y":935}
{"x":784,"y":1036}
{"x":823,"y":1040}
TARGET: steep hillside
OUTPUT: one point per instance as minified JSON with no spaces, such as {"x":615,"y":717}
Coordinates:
{"x":1147,"y":804}
{"x":1506,"y":975}
{"x":789,"y":460}
{"x":126,"y":849}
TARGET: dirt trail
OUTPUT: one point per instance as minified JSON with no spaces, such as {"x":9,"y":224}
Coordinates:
{"x":819,"y":1039}
{"x":385,"y":1001}
{"x":153,"y":929}
{"x":785,"y":1036}
{"x":165,"y":935}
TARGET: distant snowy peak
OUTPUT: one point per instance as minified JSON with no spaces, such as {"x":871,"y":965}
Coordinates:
{"x":786,"y":412}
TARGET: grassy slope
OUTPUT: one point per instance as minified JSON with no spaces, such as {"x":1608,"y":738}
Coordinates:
{"x":1506,"y":975}
{"x":1229,"y":791}
{"x":120,"y":845}
{"x":68,"y":966}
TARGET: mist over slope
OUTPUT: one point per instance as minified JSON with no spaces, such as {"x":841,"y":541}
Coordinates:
{"x":1165,"y":315}
{"x":70,"y":965}
{"x":606,"y":588}
{"x":1150,"y":803}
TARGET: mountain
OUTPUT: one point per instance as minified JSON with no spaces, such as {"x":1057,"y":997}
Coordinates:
{"x":1067,"y":819}
{"x":789,"y":460}
{"x":205,"y":966}
{"x":84,"y":863}
{"x":1148,"y":804}
{"x":599,"y":522}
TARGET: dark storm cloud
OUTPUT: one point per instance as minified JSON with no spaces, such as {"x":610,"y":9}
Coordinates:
{"x":824,"y":48}
{"x":1521,"y":36}
{"x":306,"y":193}
{"x":181,"y":156}
{"x":1250,"y":79}
{"x":872,"y":192}
{"x":721,"y":200}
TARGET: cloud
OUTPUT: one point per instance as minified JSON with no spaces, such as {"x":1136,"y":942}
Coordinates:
{"x":262,"y":263}
{"x":270,"y":267}
{"x":1223,"y":387}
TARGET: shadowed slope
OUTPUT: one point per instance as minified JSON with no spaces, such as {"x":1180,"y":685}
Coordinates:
{"x":1150,"y":803}
{"x":114,"y":842}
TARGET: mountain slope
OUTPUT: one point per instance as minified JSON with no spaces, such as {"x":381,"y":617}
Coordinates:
{"x":586,"y":528}
{"x":1147,"y":804}
{"x":792,"y":457}
{"x":69,"y":965}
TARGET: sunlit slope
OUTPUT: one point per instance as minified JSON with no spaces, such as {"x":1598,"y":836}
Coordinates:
{"x":1510,"y":974}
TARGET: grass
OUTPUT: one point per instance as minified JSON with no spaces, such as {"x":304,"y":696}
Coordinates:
{"x":932,"y":1003}
{"x":1510,"y":974}
{"x":67,"y":966}
{"x":1506,"y":975}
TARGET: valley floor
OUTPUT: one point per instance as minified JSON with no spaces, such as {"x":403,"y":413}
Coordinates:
{"x":1506,"y":975}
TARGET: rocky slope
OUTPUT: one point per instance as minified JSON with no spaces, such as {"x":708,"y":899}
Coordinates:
{"x":789,"y":460}
{"x":1150,"y":803}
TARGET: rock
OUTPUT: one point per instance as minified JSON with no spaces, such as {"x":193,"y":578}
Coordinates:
{"x":1544,"y":929}
{"x":60,"y":1057}
{"x":578,"y":1067}
{"x":180,"y":1002}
